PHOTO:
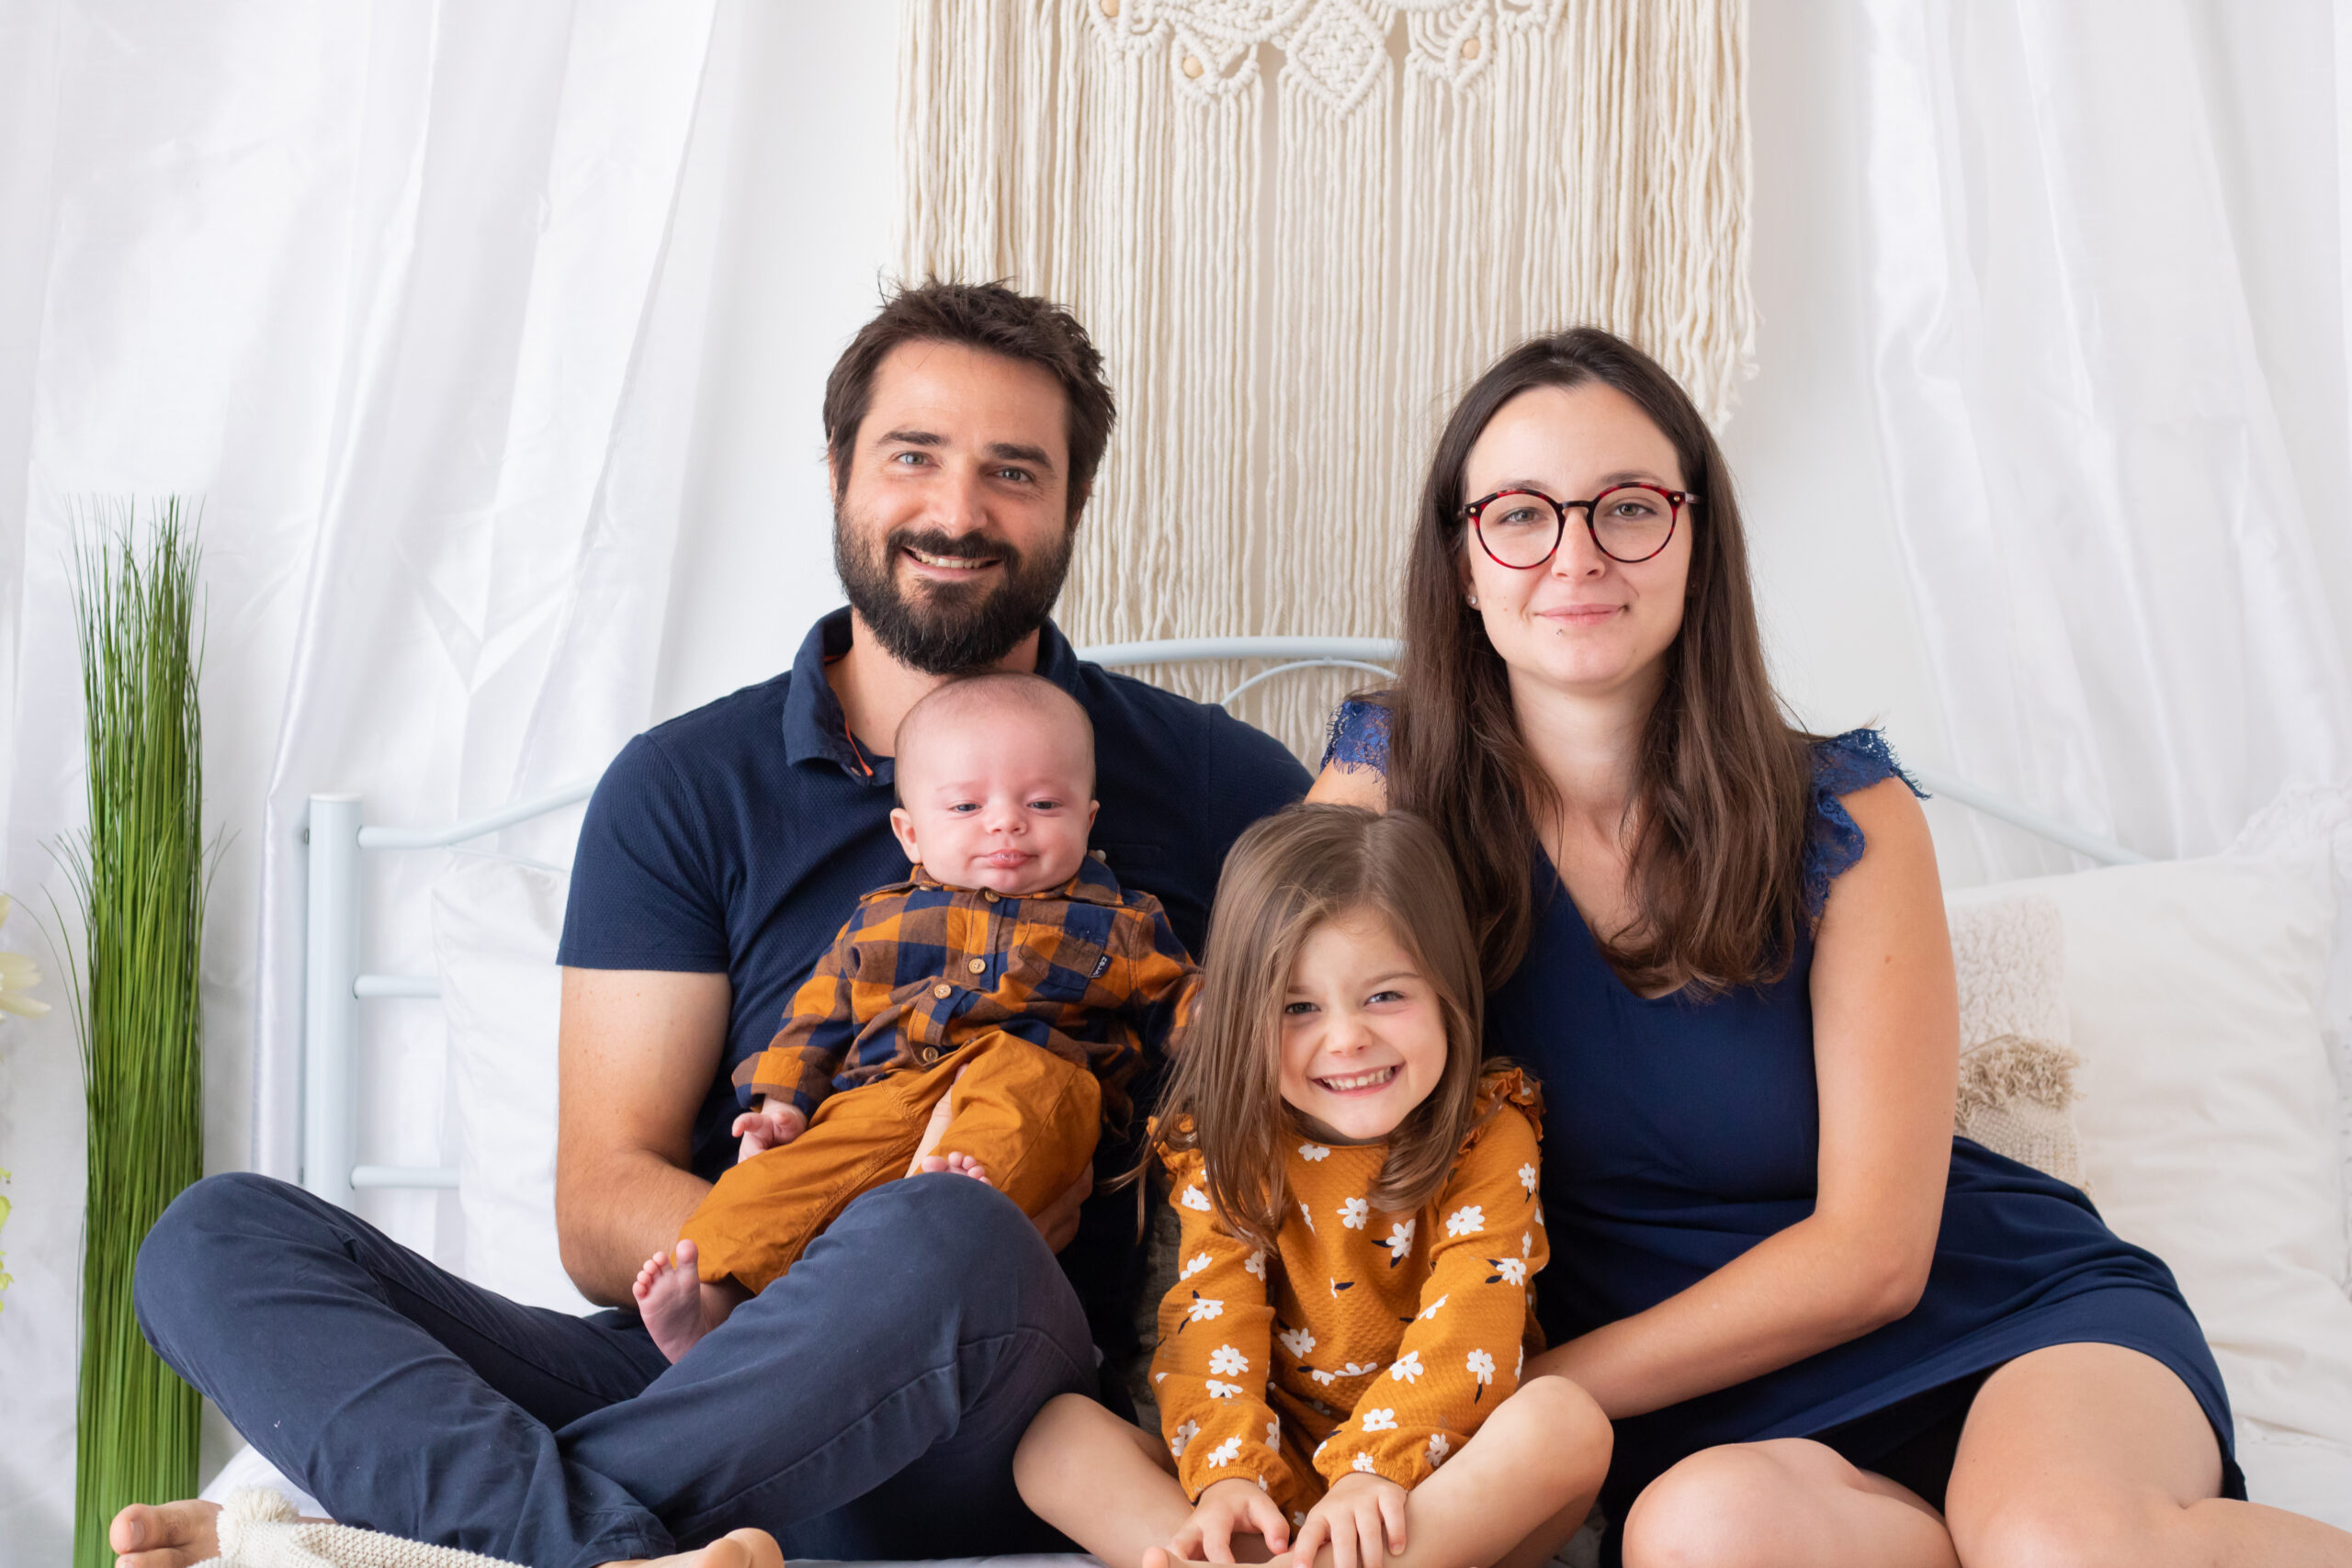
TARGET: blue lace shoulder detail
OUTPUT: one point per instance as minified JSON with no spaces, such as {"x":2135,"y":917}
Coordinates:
{"x":1842,"y":765}
{"x":1359,"y":736}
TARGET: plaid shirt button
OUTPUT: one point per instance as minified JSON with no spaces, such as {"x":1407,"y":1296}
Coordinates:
{"x":989,"y":894}
{"x":943,"y":992}
{"x":979,"y":966}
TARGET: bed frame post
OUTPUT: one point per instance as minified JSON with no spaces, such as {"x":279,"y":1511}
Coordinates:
{"x":330,"y":1005}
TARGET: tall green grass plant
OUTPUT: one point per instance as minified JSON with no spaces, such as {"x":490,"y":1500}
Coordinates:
{"x":139,"y":873}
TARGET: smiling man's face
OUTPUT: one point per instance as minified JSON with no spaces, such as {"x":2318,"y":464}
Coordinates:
{"x":952,"y":532}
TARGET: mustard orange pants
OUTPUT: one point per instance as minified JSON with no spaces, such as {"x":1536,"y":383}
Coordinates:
{"x":1027,"y":1116}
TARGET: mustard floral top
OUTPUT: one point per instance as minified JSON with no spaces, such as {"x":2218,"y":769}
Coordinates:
{"x":1373,"y":1341}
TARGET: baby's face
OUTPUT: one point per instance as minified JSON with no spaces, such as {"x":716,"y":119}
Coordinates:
{"x":999,"y":801}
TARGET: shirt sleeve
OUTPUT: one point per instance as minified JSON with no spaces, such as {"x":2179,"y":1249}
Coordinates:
{"x":802,"y":1061}
{"x":1462,"y":1355}
{"x":1215,"y":1348}
{"x":1162,"y":980}
{"x":641,"y":891}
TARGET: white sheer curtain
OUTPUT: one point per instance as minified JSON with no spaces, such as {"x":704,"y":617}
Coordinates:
{"x":412,"y":295}
{"x":2108,"y":288}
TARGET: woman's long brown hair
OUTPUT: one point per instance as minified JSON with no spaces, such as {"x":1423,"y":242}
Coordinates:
{"x":1283,"y":877}
{"x":1719,"y":804}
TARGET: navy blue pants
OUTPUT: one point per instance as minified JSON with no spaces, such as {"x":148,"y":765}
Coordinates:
{"x":866,"y":1405}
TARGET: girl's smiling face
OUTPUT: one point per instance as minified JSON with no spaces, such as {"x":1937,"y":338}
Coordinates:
{"x":1364,"y":1030}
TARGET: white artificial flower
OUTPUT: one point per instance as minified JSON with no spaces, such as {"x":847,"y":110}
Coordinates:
{"x":1353,"y":1212}
{"x":1195,"y":1200}
{"x":1228,"y":1362}
{"x":1430,"y":1310}
{"x":1225,"y":1453}
{"x":1406,"y":1367}
{"x":1439,"y":1449}
{"x":18,"y":974}
{"x":1468,"y":1220}
{"x":1200,"y":1260}
{"x":1380,"y":1420}
{"x":1181,"y":1438}
{"x":1313,"y":1152}
{"x":1297,"y":1341}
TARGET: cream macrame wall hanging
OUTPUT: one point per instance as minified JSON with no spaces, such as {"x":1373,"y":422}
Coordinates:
{"x":1297,"y":229}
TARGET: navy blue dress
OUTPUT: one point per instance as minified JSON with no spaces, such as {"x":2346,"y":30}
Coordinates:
{"x":1680,"y":1132}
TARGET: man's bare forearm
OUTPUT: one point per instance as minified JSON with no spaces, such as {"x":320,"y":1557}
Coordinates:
{"x":610,"y":1221}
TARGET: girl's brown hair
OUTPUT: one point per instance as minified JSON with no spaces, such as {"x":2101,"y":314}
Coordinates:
{"x":1720,"y":799}
{"x":1283,"y":877}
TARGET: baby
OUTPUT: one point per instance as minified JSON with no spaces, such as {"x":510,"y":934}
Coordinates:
{"x":1009,"y":974}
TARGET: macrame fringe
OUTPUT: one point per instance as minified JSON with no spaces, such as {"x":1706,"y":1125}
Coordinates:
{"x":2001,"y":1071}
{"x":1289,"y":302}
{"x":260,"y":1529}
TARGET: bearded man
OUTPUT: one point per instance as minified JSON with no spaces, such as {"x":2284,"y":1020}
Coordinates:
{"x":867,"y":1404}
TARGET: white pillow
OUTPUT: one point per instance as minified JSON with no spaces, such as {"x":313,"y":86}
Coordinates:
{"x":2206,"y":1113}
{"x":495,"y":928}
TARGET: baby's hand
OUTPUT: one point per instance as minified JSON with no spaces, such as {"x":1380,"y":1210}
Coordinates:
{"x":1227,"y":1508}
{"x":775,"y":1124}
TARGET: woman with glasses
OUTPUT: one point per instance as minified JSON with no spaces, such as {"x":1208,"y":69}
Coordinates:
{"x":1828,"y":1331}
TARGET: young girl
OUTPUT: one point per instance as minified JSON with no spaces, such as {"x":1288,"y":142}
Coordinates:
{"x":1338,"y":1364}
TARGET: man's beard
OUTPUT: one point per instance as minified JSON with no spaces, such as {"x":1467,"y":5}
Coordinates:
{"x":946,"y":628}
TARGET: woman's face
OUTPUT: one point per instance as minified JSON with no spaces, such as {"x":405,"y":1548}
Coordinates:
{"x":1583,"y":622}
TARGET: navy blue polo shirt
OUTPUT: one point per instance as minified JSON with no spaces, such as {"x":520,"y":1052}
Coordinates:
{"x":739,"y":837}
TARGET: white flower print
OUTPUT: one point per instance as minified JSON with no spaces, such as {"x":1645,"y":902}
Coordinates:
{"x":1431,"y":1310}
{"x":1481,"y":1365}
{"x":1400,"y":1242}
{"x":1308,"y":1214}
{"x":1200,"y":1260}
{"x":1352,"y":1370}
{"x":1362,"y":1462}
{"x":1439,"y":1449}
{"x":1319,"y":1375}
{"x":1159,"y":1377}
{"x":1182,"y":1438}
{"x":1468,"y":1220}
{"x":1297,"y":1341}
{"x":1310,"y":1153}
{"x":1527,"y":1179}
{"x":1538,"y":1214}
{"x":1297,"y":1520}
{"x":1406,"y":1367}
{"x":1203,"y":1309}
{"x":1380,"y":1420}
{"x":1526,"y":1244}
{"x":1519,"y":1365}
{"x":1261,"y":1484}
{"x":1225,"y":1453}
{"x":1510,"y":1271}
{"x":1195,"y":1200}
{"x":1273,"y":1431}
{"x":1228,"y":1362}
{"x":1256,"y":1264}
{"x":1353,"y":1212}
{"x":1221,"y":1389}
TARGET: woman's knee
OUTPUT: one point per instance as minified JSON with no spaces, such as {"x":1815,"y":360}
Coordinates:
{"x":2085,"y":1528}
{"x":1737,"y":1507}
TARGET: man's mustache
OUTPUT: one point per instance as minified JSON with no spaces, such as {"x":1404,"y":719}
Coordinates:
{"x":954,"y":547}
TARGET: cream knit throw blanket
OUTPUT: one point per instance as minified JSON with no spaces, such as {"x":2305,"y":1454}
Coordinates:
{"x":259,"y":1529}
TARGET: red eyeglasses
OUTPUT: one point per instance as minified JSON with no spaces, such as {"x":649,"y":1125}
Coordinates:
{"x":1628,"y":523}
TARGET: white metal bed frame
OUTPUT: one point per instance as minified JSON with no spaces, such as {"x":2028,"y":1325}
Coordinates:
{"x":334,"y":983}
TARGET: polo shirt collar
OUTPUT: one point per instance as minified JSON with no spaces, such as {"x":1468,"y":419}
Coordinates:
{"x":815,"y":728}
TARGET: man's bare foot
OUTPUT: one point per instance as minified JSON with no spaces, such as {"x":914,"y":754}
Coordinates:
{"x":678,"y":1308}
{"x":956,"y":1165}
{"x":736,"y":1549}
{"x":168,"y":1535}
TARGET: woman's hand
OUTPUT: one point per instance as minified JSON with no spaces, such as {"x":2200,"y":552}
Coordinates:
{"x":1361,"y":1519}
{"x":1224,"y":1508}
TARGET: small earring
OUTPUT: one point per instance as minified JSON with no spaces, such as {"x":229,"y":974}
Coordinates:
{"x":1473,"y":600}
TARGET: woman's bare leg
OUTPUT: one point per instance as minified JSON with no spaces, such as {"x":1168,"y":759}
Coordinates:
{"x":2094,"y":1454}
{"x":736,"y":1549}
{"x":1106,"y":1483}
{"x":1519,"y":1488}
{"x":1791,"y":1503}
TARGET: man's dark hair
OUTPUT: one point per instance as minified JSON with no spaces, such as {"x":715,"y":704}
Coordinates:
{"x":994,"y":320}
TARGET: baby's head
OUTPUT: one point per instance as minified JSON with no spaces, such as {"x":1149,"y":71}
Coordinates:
{"x":996,"y":783}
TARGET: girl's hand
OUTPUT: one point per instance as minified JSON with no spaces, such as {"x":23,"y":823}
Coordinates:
{"x":1226,"y":1507}
{"x":1361,"y":1519}
{"x":774,"y":1124}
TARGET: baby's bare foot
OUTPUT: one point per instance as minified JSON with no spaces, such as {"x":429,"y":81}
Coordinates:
{"x":171,"y":1535}
{"x":670,"y":1298}
{"x":736,"y":1549}
{"x":954,"y":1164}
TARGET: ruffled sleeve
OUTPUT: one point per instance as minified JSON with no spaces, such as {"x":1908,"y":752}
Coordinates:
{"x":1842,"y":765}
{"x":1359,"y":735}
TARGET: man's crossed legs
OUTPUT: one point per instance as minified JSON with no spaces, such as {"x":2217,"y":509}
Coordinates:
{"x":866,"y":1405}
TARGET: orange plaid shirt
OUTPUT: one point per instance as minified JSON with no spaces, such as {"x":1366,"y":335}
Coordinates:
{"x":1087,"y":970}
